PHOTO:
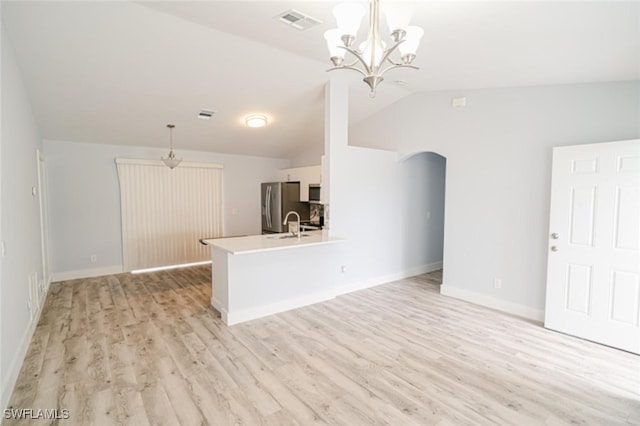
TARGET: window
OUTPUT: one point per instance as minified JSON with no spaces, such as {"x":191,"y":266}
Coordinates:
{"x":166,"y":211}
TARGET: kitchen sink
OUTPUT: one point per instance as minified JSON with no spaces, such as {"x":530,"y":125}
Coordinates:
{"x":286,"y":236}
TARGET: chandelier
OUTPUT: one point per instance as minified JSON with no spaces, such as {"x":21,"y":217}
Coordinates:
{"x":171,"y":161}
{"x":372,"y":54}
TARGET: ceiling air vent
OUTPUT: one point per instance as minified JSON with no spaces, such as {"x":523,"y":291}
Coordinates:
{"x":297,"y":20}
{"x":206,"y":114}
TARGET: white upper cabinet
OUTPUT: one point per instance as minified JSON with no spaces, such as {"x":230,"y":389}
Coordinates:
{"x":304,"y":175}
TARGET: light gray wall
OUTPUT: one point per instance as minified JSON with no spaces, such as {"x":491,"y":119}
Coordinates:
{"x":498,"y":152}
{"x":84,"y":198}
{"x":421,"y":219}
{"x":20,"y":219}
{"x":379,"y":205}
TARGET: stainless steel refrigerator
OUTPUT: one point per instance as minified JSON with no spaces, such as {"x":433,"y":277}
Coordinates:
{"x":279,"y":198}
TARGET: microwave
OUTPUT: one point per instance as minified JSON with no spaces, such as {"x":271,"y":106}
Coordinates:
{"x":314,"y":193}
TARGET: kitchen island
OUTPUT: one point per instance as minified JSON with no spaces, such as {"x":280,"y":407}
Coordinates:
{"x":260,"y":275}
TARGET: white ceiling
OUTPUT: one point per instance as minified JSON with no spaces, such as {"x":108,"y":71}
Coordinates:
{"x":117,"y":72}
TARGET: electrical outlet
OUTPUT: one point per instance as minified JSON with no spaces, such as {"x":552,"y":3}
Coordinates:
{"x":94,"y":258}
{"x":497,"y":283}
{"x":343,"y":269}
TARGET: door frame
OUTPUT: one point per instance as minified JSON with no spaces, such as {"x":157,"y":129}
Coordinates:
{"x":44,"y":221}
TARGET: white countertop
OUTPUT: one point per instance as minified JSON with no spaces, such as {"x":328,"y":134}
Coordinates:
{"x":270,"y":242}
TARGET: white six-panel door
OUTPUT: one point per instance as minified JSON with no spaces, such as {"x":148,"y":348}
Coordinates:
{"x":593,"y":273}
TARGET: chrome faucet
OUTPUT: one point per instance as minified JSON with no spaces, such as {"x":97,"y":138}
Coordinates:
{"x":296,"y":230}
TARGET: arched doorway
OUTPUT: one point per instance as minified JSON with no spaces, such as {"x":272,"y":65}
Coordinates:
{"x":423,"y":195}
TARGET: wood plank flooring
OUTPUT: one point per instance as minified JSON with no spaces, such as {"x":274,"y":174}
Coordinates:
{"x":149,"y":349}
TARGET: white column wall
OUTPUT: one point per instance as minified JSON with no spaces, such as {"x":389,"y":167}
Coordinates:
{"x":372,"y":204}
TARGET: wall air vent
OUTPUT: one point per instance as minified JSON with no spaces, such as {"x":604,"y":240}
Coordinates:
{"x":206,"y":114}
{"x":297,"y":20}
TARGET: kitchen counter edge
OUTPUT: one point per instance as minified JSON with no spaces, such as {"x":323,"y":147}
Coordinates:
{"x":263,"y":243}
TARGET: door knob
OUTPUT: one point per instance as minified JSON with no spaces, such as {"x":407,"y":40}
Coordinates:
{"x":555,"y":236}
{"x":554,"y":248}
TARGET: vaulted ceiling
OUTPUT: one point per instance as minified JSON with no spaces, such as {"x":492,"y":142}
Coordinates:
{"x":117,"y":72}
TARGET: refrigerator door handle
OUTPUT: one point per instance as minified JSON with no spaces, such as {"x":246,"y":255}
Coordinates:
{"x":269,"y":206}
{"x":265,"y":191}
{"x":266,"y":205}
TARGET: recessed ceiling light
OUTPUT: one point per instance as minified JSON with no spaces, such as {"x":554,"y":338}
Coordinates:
{"x":256,"y":120}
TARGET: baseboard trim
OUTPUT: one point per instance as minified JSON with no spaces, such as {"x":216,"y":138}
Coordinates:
{"x":493,"y":303}
{"x":237,"y":317}
{"x":385,"y":279}
{"x":86,"y":273}
{"x":231,"y":318}
{"x":16,"y":363}
{"x":219,"y":307}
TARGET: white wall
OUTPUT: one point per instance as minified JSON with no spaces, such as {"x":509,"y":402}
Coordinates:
{"x":376,"y":201}
{"x":84,"y":200}
{"x":309,"y":157}
{"x":498,"y":152}
{"x":20,"y":220}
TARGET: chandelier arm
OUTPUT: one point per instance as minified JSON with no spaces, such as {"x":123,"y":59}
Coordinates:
{"x":351,"y":65}
{"x":348,"y":67}
{"x":398,"y":66}
{"x":389,"y":51}
{"x":358,"y":57}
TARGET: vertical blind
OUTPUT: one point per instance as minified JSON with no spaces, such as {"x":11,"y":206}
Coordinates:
{"x":166,"y":211}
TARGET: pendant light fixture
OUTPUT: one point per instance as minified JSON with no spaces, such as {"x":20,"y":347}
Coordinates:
{"x":171,"y":161}
{"x":373,"y":54}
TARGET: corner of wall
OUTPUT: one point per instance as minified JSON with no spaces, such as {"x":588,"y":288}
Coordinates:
{"x":86,"y":273}
{"x":376,"y":281}
{"x":493,"y":303}
{"x":9,"y":381}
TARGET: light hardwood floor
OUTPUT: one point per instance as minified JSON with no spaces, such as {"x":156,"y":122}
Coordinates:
{"x":148,"y":349}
